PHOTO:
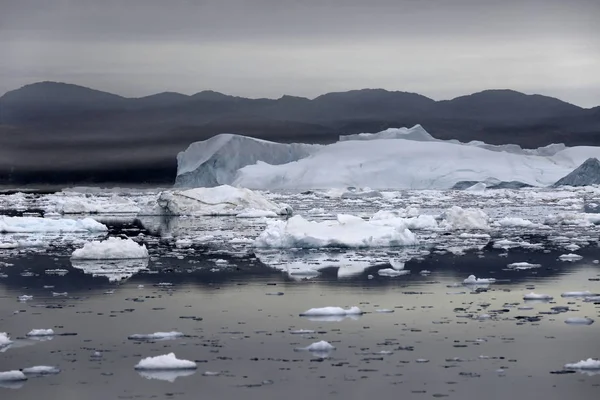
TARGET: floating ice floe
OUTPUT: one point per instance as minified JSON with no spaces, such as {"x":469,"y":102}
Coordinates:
{"x":4,"y":340}
{"x":578,"y":294}
{"x":86,"y":203}
{"x":331,"y":311}
{"x":536,"y":296}
{"x":12,"y":376}
{"x":41,"y":332}
{"x":156,"y":336}
{"x":302,"y":332}
{"x":415,"y":222}
{"x":515,"y":222}
{"x":523,"y":265}
{"x":590,"y":363}
{"x":41,"y":370}
{"x":37,"y":225}
{"x":111,"y":249}
{"x":24,"y":297}
{"x":391,"y":272}
{"x":570,"y":257}
{"x":579,"y":321}
{"x":219,"y":201}
{"x":473,"y":280}
{"x":164,"y":363}
{"x":346,"y":231}
{"x":320,"y":349}
{"x":458,"y":218}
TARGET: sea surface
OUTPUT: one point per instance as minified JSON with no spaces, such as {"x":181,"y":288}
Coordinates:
{"x":422,"y":335}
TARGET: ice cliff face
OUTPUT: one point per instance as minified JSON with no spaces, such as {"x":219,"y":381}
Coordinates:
{"x":216,"y":161}
{"x":587,"y":173}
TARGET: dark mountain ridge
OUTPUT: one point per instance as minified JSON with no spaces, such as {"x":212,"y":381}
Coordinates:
{"x":53,"y":131}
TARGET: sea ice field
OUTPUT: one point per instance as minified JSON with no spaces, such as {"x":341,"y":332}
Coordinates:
{"x":228,"y":293}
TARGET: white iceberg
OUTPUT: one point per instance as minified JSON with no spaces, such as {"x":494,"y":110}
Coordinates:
{"x":70,"y":202}
{"x":41,"y":332}
{"x":320,"y":349}
{"x":111,"y":249}
{"x":41,"y":370}
{"x":331,"y":311}
{"x":408,"y":162}
{"x":515,"y":222}
{"x":12,"y":376}
{"x":458,"y":218}
{"x":419,"y":222}
{"x":585,"y":293}
{"x":219,"y":201}
{"x":321,"y":346}
{"x":536,"y":296}
{"x":391,"y":272}
{"x":4,"y":339}
{"x":570,"y":257}
{"x":37,"y":225}
{"x":523,"y":265}
{"x":473,"y":280}
{"x":590,"y":363}
{"x":164,"y":362}
{"x":156,"y":336}
{"x":216,"y":161}
{"x":345,"y":231}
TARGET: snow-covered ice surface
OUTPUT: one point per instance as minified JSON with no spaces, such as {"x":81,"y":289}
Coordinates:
{"x":112,"y":248}
{"x":164,"y":363}
{"x":36,"y":224}
{"x":347,"y":231}
{"x":414,"y":161}
{"x":156,"y":336}
{"x":239,"y":305}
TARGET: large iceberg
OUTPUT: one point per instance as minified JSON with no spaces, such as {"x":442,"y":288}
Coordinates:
{"x":215,"y":161}
{"x":403,"y":158}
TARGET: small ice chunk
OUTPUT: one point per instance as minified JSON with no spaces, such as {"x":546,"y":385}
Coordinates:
{"x":535,"y":296}
{"x":4,"y":339}
{"x":523,"y":265}
{"x":578,"y":294}
{"x":41,"y":332}
{"x":41,"y":370}
{"x":25,"y":297}
{"x":12,"y":376}
{"x":570,"y":257}
{"x":473,"y":280}
{"x":392,"y":272}
{"x":321,"y":346}
{"x":156,"y":336}
{"x":579,"y":321}
{"x":331,"y":311}
{"x":302,"y":332}
{"x":111,"y":249}
{"x":590,"y":363}
{"x":164,"y":362}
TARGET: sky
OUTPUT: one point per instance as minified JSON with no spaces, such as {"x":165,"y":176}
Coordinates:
{"x":267,"y":48}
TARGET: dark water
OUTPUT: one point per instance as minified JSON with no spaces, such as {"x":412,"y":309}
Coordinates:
{"x":243,"y":333}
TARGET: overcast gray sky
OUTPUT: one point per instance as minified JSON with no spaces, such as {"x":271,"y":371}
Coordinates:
{"x":266,"y":48}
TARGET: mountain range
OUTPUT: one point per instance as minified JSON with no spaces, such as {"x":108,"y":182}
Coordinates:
{"x":60,"y":133}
